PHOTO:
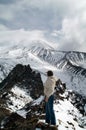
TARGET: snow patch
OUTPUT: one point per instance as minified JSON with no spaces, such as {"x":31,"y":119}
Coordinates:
{"x":18,"y":99}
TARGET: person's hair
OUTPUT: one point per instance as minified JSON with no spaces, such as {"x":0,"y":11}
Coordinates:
{"x":49,"y":73}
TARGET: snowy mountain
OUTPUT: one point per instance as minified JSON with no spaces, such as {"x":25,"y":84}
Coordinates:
{"x":22,"y":72}
{"x":42,"y":56}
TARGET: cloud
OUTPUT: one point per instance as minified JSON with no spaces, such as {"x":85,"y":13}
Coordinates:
{"x":72,"y":36}
{"x":35,"y":14}
{"x":6,"y":13}
{"x":6,"y":1}
{"x":3,"y":28}
{"x":19,"y":36}
{"x":63,"y":20}
{"x":40,"y":14}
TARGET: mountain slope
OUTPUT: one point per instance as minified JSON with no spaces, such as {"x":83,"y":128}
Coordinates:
{"x":70,"y":67}
{"x":22,"y":102}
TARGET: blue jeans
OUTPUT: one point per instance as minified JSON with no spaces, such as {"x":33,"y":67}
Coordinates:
{"x":50,"y":115}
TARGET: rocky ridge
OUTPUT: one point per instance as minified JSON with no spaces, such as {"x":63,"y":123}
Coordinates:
{"x":27,"y":117}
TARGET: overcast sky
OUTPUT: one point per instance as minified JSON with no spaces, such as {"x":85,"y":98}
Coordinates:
{"x":59,"y":21}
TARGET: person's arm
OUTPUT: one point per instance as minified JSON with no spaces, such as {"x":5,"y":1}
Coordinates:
{"x":45,"y":94}
{"x":45,"y":91}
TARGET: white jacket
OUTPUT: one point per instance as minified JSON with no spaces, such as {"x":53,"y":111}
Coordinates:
{"x":49,"y":86}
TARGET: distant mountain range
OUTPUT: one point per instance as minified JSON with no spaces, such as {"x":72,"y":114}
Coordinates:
{"x":69,"y":66}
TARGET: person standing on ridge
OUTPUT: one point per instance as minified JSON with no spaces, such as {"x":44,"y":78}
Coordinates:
{"x":49,"y":87}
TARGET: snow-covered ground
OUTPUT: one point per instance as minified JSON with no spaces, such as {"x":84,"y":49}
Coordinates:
{"x":18,"y":99}
{"x":67,"y":116}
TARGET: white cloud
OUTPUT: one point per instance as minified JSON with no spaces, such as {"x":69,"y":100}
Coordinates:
{"x":3,"y":27}
{"x":41,"y":14}
{"x":72,"y":36}
{"x":18,"y":36}
{"x":65,"y":19}
{"x":6,"y":12}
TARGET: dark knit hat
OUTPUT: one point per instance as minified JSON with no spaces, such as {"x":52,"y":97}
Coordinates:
{"x":49,"y":73}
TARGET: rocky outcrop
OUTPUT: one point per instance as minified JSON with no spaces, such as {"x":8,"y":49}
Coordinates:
{"x":78,"y":101}
{"x":25,"y":77}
